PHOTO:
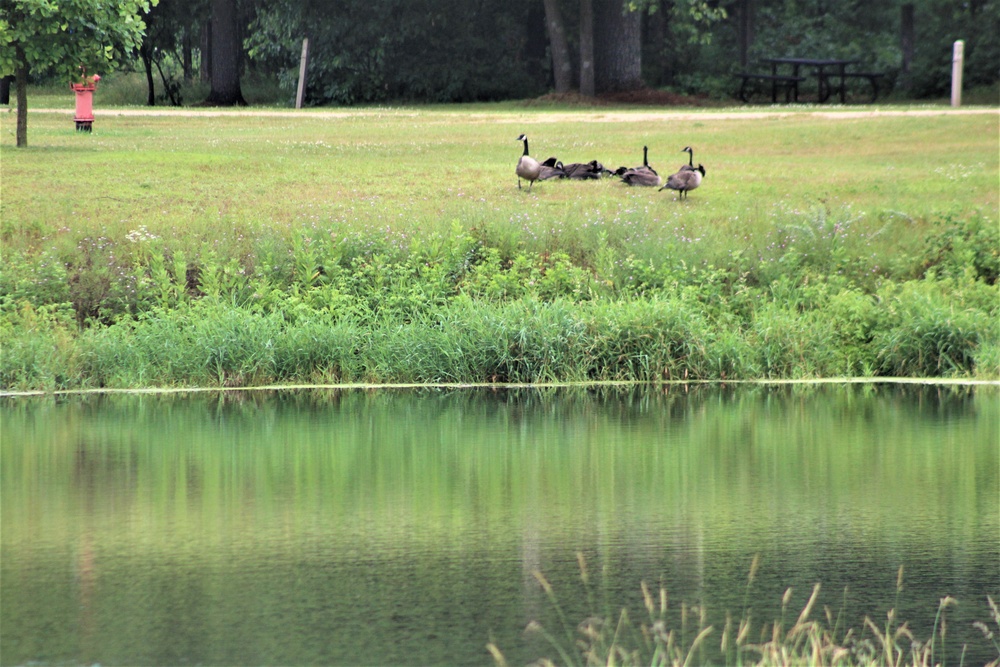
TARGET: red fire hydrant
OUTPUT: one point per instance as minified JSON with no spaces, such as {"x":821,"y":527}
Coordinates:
{"x":85,"y":101}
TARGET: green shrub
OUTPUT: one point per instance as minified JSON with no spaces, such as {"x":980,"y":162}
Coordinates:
{"x":38,"y":350}
{"x":957,"y":247}
{"x":449,"y":309}
{"x":934,"y":328}
{"x":855,"y":318}
{"x":40,"y":279}
{"x":789,"y":343}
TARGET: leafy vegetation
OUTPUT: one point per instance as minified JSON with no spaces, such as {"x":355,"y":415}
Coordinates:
{"x":393,"y":246}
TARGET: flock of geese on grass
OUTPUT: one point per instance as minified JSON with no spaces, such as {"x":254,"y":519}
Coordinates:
{"x":687,"y":178}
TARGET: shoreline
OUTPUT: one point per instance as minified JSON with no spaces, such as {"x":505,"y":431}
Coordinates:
{"x":367,"y":386}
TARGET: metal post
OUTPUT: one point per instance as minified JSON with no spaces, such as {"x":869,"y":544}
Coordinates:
{"x":956,"y":73}
{"x":303,"y":66}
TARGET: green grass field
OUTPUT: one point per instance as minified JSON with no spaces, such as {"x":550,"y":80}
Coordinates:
{"x":816,"y":242}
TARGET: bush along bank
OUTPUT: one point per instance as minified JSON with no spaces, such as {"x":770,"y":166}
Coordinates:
{"x":458,"y":308}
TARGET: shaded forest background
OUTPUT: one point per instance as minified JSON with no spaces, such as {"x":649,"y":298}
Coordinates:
{"x":375,"y":51}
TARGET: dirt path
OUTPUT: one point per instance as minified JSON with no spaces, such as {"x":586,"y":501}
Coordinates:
{"x":593,"y":115}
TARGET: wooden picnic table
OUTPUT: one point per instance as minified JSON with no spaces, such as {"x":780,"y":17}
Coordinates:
{"x":823,"y":68}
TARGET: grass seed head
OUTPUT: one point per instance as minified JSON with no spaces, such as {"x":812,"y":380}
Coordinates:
{"x":647,"y":598}
{"x":584,"y":575}
{"x":542,"y":581}
{"x":786,"y":598}
{"x":754,"y":566}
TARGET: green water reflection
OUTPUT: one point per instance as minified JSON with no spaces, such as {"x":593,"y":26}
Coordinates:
{"x":402,"y":527}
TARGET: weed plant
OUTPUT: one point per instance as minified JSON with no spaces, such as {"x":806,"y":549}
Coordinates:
{"x":815,"y":637}
{"x":390,"y":245}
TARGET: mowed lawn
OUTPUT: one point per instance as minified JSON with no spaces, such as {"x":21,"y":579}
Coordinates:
{"x":413,"y":170}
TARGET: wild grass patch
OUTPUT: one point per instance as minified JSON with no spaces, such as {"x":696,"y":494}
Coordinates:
{"x":676,"y":634}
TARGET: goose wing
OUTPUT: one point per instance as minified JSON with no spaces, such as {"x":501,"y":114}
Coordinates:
{"x":646,"y":177}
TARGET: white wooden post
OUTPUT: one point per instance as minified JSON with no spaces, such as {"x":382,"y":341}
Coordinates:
{"x":303,"y":66}
{"x":956,"y":73}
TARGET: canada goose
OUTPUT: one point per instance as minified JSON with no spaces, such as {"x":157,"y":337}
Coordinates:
{"x":551,"y":168}
{"x":629,"y":174}
{"x":645,"y":162}
{"x":527,"y":167}
{"x":585,"y":170}
{"x":620,"y":171}
{"x":643,"y":175}
{"x":685,"y":180}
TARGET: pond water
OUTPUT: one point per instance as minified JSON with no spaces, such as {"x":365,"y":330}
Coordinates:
{"x":403,"y":527}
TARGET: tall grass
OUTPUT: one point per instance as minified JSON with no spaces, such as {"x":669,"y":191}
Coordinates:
{"x":816,"y":637}
{"x":529,"y":319}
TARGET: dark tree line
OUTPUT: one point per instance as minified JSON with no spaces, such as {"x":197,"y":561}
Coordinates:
{"x":365,"y":51}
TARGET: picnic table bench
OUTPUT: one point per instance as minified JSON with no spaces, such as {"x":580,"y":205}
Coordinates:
{"x":831,"y":76}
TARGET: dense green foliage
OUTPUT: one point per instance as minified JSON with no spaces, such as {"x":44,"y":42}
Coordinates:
{"x":454,"y":309}
{"x":450,"y":50}
{"x":62,"y":36}
{"x":462,"y":51}
{"x":438,"y":51}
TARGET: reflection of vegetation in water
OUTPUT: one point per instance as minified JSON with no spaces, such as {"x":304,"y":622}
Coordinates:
{"x":357,"y":496}
{"x":602,"y":639}
{"x":424,"y":451}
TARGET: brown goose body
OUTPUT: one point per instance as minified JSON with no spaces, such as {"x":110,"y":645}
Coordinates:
{"x":685,"y":180}
{"x":551,"y":168}
{"x":527,"y":167}
{"x":642,"y":175}
{"x":585,"y":170}
{"x":646,"y":177}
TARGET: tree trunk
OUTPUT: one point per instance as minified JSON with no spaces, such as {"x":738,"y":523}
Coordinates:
{"x":587,"y":48}
{"x":21,"y":81}
{"x":226,"y":52}
{"x":618,"y":44}
{"x":145,"y":52}
{"x":562,"y":68}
